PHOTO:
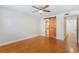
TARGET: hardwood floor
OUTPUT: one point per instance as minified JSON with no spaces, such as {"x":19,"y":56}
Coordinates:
{"x":39,"y":44}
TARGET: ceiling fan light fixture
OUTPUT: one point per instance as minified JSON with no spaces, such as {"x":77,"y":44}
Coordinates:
{"x":40,"y":11}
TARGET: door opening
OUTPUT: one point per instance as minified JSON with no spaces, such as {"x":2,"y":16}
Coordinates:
{"x":70,"y":31}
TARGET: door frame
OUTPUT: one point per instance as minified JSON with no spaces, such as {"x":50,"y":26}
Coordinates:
{"x":46,"y":29}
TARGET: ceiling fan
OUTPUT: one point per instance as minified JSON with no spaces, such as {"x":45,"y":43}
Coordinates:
{"x":41,"y":9}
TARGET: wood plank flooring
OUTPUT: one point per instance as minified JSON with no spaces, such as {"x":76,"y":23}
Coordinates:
{"x":39,"y":44}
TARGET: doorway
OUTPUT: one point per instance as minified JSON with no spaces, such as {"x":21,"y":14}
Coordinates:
{"x":50,"y":26}
{"x":71,"y":31}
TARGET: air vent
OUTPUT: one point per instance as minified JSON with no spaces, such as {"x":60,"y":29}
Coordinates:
{"x":66,"y":14}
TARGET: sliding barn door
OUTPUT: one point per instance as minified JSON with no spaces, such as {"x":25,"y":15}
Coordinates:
{"x":52,"y":27}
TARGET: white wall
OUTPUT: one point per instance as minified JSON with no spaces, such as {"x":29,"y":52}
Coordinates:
{"x":15,"y":25}
{"x":60,"y":26}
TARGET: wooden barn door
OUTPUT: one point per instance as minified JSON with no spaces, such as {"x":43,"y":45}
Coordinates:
{"x":52,"y":27}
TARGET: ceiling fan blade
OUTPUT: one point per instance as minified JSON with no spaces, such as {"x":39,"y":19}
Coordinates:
{"x":45,"y":6}
{"x":46,"y":11}
{"x":36,"y":7}
{"x":47,"y":18}
{"x":35,"y":11}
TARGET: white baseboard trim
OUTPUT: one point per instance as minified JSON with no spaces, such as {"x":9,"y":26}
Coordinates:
{"x":10,"y":42}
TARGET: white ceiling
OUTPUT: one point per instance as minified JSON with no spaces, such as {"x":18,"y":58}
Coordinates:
{"x":56,"y":9}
